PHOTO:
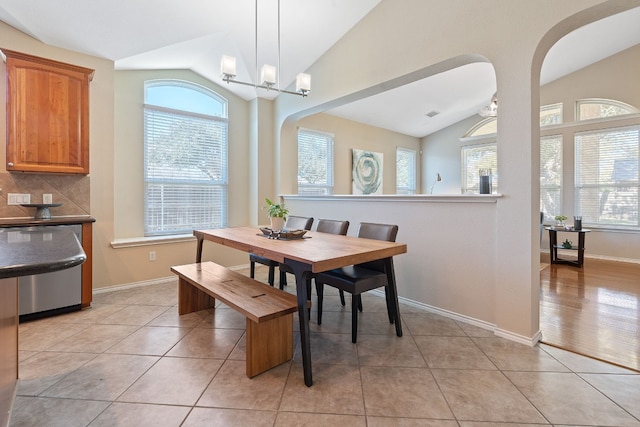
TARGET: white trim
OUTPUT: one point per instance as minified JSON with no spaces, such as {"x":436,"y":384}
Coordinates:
{"x":407,"y":198}
{"x":143,"y":283}
{"x":152,"y":240}
{"x":135,"y":285}
{"x":530,"y":341}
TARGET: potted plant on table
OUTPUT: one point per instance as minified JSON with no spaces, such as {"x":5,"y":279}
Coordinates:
{"x":277,"y":214}
{"x":560,"y":219}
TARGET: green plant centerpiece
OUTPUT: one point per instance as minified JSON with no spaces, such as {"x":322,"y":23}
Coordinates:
{"x":560,"y":219}
{"x":567,"y":244}
{"x":277,"y":213}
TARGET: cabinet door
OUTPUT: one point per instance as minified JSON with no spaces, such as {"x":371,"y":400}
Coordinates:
{"x":47,"y":115}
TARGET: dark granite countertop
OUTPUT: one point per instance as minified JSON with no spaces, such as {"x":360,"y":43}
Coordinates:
{"x":55,"y":220}
{"x":24,"y":252}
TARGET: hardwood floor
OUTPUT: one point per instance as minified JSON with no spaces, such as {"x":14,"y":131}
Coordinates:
{"x":593,"y":310}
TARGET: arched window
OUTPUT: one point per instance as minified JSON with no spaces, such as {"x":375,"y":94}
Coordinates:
{"x":185,"y":158}
{"x":589,"y":109}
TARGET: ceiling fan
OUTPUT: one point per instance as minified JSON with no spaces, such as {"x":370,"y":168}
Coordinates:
{"x":490,"y":110}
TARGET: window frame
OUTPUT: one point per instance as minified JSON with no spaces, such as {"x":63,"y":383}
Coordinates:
{"x":412,"y":156}
{"x":327,"y":186}
{"x":209,"y":195}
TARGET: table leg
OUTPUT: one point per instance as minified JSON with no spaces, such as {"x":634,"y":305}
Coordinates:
{"x":392,"y":295}
{"x":553,"y":251}
{"x":200,"y":238}
{"x":580,"y":248}
{"x":303,"y":273}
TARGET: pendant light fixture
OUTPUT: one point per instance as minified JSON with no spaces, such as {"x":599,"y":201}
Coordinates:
{"x":269,"y":75}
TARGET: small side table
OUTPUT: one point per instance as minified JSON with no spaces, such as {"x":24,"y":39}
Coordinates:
{"x":554,"y":246}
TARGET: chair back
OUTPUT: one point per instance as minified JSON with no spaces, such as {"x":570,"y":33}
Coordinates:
{"x":332,"y":226}
{"x":386,"y":232}
{"x":298,"y":223}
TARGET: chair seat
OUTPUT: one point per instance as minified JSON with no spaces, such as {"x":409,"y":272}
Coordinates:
{"x":262,"y":260}
{"x":353,"y":279}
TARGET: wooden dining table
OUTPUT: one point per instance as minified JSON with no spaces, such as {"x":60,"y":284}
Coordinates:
{"x":314,"y":253}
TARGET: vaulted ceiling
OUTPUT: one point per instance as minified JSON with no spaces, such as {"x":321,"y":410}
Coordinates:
{"x":194,"y":34}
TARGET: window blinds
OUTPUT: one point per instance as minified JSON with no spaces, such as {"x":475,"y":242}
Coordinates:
{"x":606,"y":176}
{"x":185,"y":171}
{"x":315,"y":162}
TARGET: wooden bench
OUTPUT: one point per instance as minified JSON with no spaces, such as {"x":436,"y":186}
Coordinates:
{"x":269,"y":311}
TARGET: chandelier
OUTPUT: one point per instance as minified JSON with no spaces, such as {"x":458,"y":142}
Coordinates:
{"x":269,"y":75}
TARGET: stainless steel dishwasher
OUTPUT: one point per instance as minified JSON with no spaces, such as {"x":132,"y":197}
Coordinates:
{"x":42,"y":295}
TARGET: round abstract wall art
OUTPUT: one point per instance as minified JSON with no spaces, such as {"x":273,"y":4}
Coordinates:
{"x":367,"y":172}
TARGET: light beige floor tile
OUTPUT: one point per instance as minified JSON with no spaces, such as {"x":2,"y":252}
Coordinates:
{"x":134,"y":315}
{"x":207,"y":343}
{"x":24,"y":355}
{"x":223,"y":317}
{"x":375,"y":322}
{"x":103,"y":378}
{"x":431,"y":324}
{"x":217,"y":417}
{"x":40,"y":412}
{"x":388,"y":350}
{"x":165,"y":294}
{"x":565,"y":398}
{"x":170,"y":317}
{"x":44,"y":336}
{"x":93,"y":314}
{"x":402,"y":392}
{"x":622,"y":389}
{"x":94,"y":340}
{"x":475,"y":331}
{"x":333,"y":322}
{"x":331,"y":348}
{"x":231,"y":388}
{"x":150,"y":340}
{"x":513,"y":356}
{"x":452,"y":353}
{"x":336,"y":389}
{"x":173,"y":381}
{"x":137,"y":415}
{"x":288,"y":419}
{"x":578,"y":363}
{"x":408,"y":422}
{"x":124,"y":296}
{"x":47,"y":368}
{"x":492,"y":424}
{"x":485,"y":396}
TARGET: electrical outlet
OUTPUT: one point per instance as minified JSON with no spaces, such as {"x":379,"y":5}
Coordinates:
{"x":152,"y":255}
{"x":18,"y":198}
{"x":47,"y":198}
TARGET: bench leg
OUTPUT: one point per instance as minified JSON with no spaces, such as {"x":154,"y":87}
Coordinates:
{"x":269,"y":344}
{"x":192,"y":299}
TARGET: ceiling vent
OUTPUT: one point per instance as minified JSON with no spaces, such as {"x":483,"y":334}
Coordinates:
{"x":432,"y":113}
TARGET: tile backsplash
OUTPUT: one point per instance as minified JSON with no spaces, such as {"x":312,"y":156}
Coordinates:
{"x":70,"y":190}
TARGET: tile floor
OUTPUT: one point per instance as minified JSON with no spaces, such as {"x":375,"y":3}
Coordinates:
{"x":130,"y":360}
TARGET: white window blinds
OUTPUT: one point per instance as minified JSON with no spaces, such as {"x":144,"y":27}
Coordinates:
{"x":474,"y":158}
{"x":315,"y":162}
{"x":551,"y":175}
{"x":606,"y":176}
{"x":185,"y":171}
{"x":405,"y":171}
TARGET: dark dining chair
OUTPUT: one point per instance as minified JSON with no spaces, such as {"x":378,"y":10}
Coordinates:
{"x":359,"y":278}
{"x":292,"y":223}
{"x":331,"y":226}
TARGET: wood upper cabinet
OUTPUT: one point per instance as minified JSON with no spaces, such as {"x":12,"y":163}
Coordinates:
{"x":47,"y":115}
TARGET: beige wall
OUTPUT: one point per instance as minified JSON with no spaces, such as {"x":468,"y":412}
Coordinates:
{"x":409,"y":40}
{"x":612,"y":78}
{"x":349,"y":135}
